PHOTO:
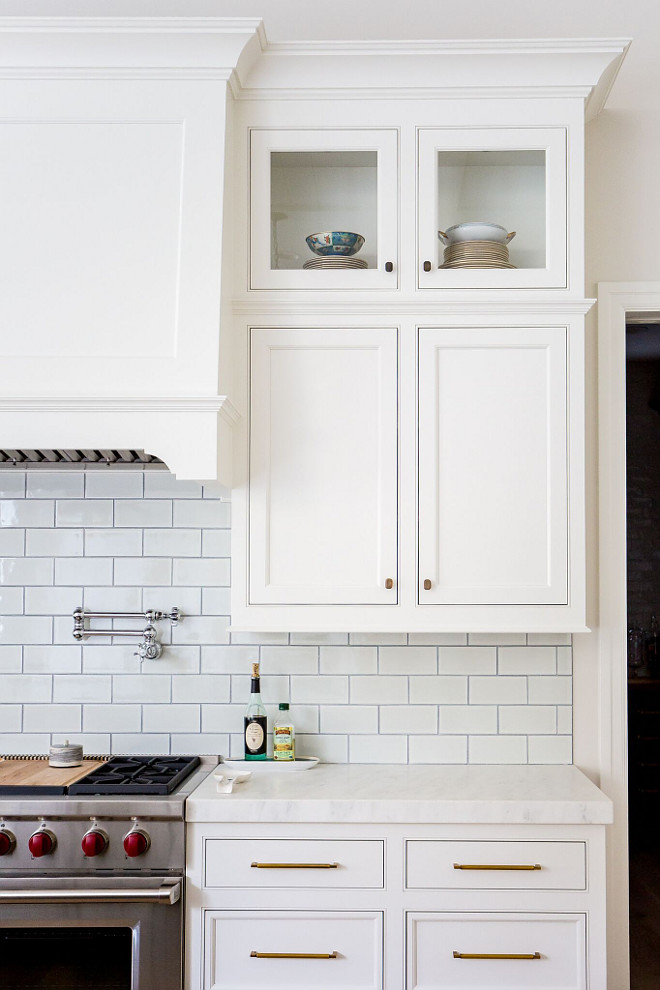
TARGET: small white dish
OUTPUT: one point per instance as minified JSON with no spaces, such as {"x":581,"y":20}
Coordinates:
{"x":225,"y":781}
{"x":272,"y":766}
{"x":476,"y":230}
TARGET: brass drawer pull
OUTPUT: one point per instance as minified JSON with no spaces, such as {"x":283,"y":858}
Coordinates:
{"x":295,"y":866}
{"x":497,"y":955}
{"x":389,"y":583}
{"x":484,"y":866}
{"x":292,"y":955}
{"x":427,"y":584}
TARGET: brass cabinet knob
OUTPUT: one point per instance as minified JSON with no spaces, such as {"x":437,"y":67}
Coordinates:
{"x":427,"y":266}
{"x":427,"y":584}
{"x":389,"y":584}
{"x":389,"y":266}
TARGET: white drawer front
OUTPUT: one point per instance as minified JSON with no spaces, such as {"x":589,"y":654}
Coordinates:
{"x":322,"y":863}
{"x":440,"y":946}
{"x":268,"y":950}
{"x":439,"y":864}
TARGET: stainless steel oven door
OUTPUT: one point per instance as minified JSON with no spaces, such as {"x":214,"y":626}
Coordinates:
{"x":79,"y":933}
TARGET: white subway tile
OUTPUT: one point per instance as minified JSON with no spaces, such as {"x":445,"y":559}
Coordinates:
{"x":329,"y":749}
{"x":52,"y":659}
{"x":145,"y":690}
{"x":162,"y":484}
{"x":11,"y":718}
{"x":216,"y":543}
{"x":63,"y":629}
{"x":24,"y":513}
{"x":186,"y":599}
{"x":526,"y":719}
{"x":23,"y":629}
{"x":289,"y":660}
{"x":379,"y":690}
{"x":112,"y":599}
{"x":216,"y":601}
{"x":82,"y":688}
{"x":407,"y":660}
{"x":113,"y":542}
{"x":55,"y":484}
{"x":200,"y":688}
{"x":318,"y":690}
{"x":200,"y":744}
{"x":497,"y":639}
{"x":319,"y":639}
{"x":550,"y":749}
{"x":257,"y":639}
{"x":142,"y":570}
{"x":171,"y":718}
{"x":497,"y":749}
{"x":349,"y":719}
{"x":437,"y":749}
{"x":83,"y":513}
{"x":564,"y":719}
{"x":11,"y":659}
{"x":378,"y":749}
{"x":51,"y":718}
{"x":109,"y":660}
{"x":274,"y":688}
{"x":223,"y":718}
{"x":113,"y":484}
{"x":378,"y":639}
{"x":112,"y":718}
{"x":467,"y":719}
{"x":11,"y":601}
{"x":202,"y":629}
{"x":22,"y":571}
{"x":437,"y":639}
{"x":12,"y":542}
{"x":52,"y":601}
{"x":173,"y":543}
{"x":237,"y":746}
{"x":497,"y":690}
{"x":564,"y":659}
{"x":200,"y":571}
{"x":467,"y":660}
{"x":143,"y":743}
{"x":24,"y":742}
{"x":143,"y":513}
{"x":550,"y":690}
{"x":12,"y":484}
{"x":349,"y":660}
{"x":215,"y":489}
{"x":408,"y":719}
{"x":549,"y":639}
{"x":93,"y":743}
{"x":227,"y":659}
{"x":203,"y":515}
{"x":527,"y":660}
{"x":174,"y":659}
{"x":438,"y":690}
{"x":82,"y":570}
{"x":54,"y":542}
{"x":305,"y":718}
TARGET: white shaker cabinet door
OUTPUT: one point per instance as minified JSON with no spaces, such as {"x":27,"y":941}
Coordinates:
{"x":323,"y":466}
{"x":493,"y":466}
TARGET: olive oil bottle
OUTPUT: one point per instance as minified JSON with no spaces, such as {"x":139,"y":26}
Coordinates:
{"x":254,"y":722}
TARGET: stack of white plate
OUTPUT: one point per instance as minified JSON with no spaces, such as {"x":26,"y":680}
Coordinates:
{"x":477,"y":254}
{"x":335,"y":262}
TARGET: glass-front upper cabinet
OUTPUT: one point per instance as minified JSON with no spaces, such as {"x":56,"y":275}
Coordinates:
{"x":323,"y":209}
{"x":492,"y":208}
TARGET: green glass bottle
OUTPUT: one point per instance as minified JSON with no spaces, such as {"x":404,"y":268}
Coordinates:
{"x":254,"y":722}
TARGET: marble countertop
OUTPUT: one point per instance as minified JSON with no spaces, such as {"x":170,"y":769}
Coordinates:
{"x":429,"y":794}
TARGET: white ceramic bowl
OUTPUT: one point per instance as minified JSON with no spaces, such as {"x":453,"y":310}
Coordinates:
{"x":475,"y":230}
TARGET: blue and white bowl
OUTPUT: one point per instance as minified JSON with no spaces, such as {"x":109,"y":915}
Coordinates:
{"x":335,"y":242}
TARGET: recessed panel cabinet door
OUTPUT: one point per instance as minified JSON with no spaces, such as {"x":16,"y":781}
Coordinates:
{"x":493,"y":477}
{"x":323,"y":466}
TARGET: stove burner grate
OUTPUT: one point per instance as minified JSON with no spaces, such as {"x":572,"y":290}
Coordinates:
{"x":137,"y":775}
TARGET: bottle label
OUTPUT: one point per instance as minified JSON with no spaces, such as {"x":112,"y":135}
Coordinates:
{"x":283,"y":742}
{"x":254,"y":736}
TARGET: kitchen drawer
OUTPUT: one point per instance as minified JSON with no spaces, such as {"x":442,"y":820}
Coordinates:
{"x":325,"y":863}
{"x":489,"y":865}
{"x":549,"y":951}
{"x":291,"y":950}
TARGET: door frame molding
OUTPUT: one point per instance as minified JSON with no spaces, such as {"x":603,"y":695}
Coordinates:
{"x":615,"y":301}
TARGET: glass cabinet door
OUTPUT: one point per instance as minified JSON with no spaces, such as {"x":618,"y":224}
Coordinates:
{"x":336,"y":187}
{"x":492,"y":208}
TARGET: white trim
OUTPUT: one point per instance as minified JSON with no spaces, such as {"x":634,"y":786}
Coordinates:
{"x":615,"y":301}
{"x":448,"y":301}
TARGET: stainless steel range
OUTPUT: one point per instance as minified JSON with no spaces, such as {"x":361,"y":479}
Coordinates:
{"x":91,"y":884}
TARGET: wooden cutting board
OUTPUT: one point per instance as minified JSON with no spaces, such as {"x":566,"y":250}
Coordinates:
{"x":37,"y":777}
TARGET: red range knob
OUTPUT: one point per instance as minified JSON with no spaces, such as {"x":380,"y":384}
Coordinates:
{"x":94,"y":842}
{"x":42,"y":843}
{"x":136,"y":842}
{"x":7,"y":842}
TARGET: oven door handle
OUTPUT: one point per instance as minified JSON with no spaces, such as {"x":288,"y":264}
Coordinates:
{"x":168,"y":893}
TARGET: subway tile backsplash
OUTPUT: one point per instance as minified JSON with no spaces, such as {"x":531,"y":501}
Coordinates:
{"x":123,"y":540}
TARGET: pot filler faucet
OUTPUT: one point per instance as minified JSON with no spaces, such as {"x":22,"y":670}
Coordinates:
{"x":148,"y":648}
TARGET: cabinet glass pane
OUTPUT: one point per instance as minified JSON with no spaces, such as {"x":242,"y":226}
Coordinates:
{"x":499,"y":186}
{"x":314,"y":191}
